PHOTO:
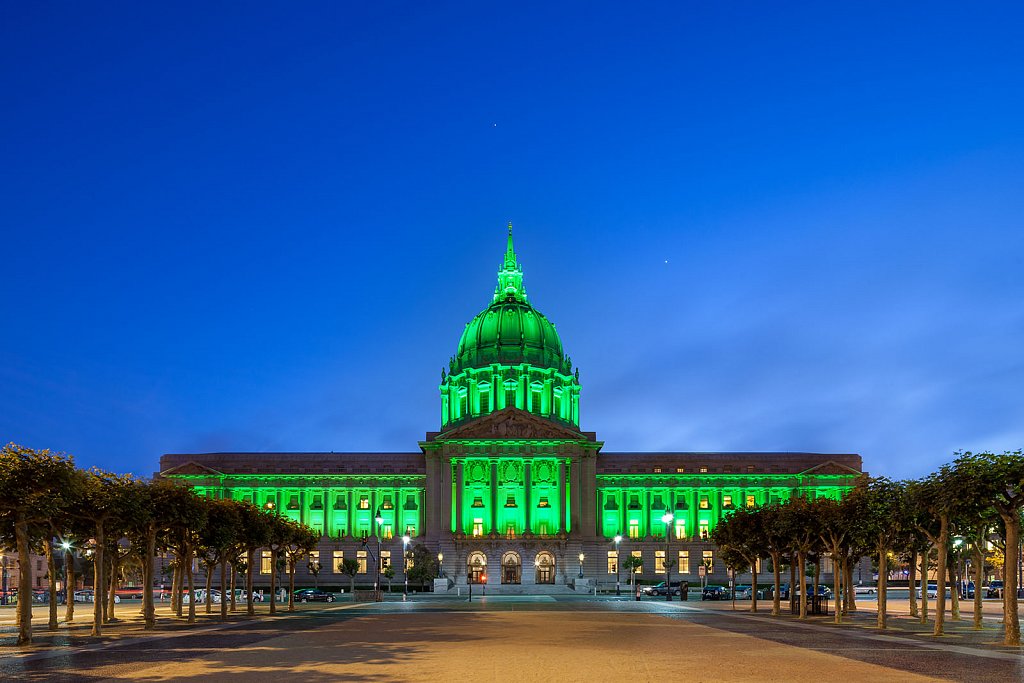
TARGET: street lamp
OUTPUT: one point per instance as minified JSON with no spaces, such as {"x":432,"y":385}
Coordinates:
{"x":581,"y":565}
{"x":667,"y":520}
{"x":405,"y":560}
{"x":440,"y":565}
{"x":380,"y":521}
{"x":618,"y":540}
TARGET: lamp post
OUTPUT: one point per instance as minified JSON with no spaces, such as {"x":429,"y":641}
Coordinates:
{"x":618,"y":587}
{"x":667,"y":520}
{"x":405,"y":563}
{"x":440,"y":565}
{"x":380,"y":520}
{"x":581,"y":565}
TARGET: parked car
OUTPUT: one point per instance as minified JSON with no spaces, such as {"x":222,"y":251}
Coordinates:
{"x":201,"y":596}
{"x":994,"y":589}
{"x":824,"y":591}
{"x":659,"y":589}
{"x":864,"y":590}
{"x":744,"y":592}
{"x":933,"y":591}
{"x":313,"y":595}
{"x":89,"y":595}
{"x":714,"y":593}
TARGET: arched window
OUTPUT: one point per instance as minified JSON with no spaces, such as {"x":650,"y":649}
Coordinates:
{"x":511,"y":568}
{"x":545,"y":566}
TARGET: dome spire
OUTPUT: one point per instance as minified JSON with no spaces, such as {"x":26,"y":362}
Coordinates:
{"x":510,"y":276}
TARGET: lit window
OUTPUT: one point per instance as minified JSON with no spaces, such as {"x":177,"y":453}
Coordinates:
{"x":750,"y":468}
{"x":542,"y":528}
{"x":704,"y":503}
{"x":543,"y":502}
{"x":364,"y":502}
{"x":477,"y":503}
{"x":727,"y":502}
{"x":510,"y":531}
{"x":510,"y":501}
{"x":680,"y":528}
{"x":387,"y":532}
{"x":336,"y":559}
{"x":751,"y":501}
{"x":478,"y":526}
{"x":639,"y":555}
{"x":410,"y":530}
{"x":385,"y":559}
{"x":659,"y":561}
{"x":680,"y":470}
{"x":657,"y":470}
{"x":703,"y":469}
{"x":361,"y":559}
{"x":409,"y":561}
{"x":684,"y":561}
{"x":704,"y":531}
{"x":709,"y":560}
{"x":387,"y":505}
{"x":634,"y":529}
{"x":314,"y":557}
{"x":266,"y":562}
{"x":613,"y":561}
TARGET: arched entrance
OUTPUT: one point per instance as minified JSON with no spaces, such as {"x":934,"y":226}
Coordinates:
{"x":476,"y":568}
{"x":511,"y":568}
{"x":545,"y":564}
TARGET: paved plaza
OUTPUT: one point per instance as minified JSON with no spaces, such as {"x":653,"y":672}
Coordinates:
{"x":537,"y":638}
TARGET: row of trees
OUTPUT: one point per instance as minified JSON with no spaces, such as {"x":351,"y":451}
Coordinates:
{"x":967,"y":504}
{"x":49,"y":506}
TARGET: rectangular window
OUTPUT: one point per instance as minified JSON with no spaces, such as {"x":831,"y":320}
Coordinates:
{"x":751,"y":501}
{"x":387,"y":532}
{"x":634,"y":529}
{"x":478,"y":526}
{"x":485,"y":401}
{"x":750,"y":469}
{"x":361,"y":559}
{"x":684,"y":561}
{"x":680,"y":528}
{"x":657,"y":470}
{"x":410,"y":530}
{"x":709,"y":560}
{"x":266,"y":562}
{"x":385,"y":559}
{"x":704,"y":532}
{"x":704,"y":503}
{"x":727,"y":502}
{"x":680,"y":470}
{"x":638,"y":554}
{"x":613,"y":561}
{"x":659,"y":561}
{"x":510,"y":394}
{"x":364,"y":502}
{"x":703,"y":469}
{"x":314,"y":557}
{"x":336,"y":557}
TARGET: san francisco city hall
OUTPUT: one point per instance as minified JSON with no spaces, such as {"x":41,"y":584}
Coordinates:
{"x":510,"y":492}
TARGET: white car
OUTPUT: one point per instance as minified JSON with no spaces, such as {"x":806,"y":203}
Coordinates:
{"x":88,"y":595}
{"x":864,"y":590}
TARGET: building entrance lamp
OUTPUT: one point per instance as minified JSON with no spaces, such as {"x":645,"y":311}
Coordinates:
{"x":618,"y":586}
{"x":440,"y":565}
{"x":581,"y":565}
{"x":667,"y":519}
{"x":405,"y":560}
{"x":380,"y":521}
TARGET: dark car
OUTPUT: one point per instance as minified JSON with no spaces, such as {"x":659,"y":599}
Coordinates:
{"x":994,"y":590}
{"x":714,"y":593}
{"x":313,"y":595}
{"x":659,"y":589}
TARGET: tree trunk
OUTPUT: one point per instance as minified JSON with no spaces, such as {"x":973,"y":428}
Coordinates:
{"x":291,"y":585}
{"x":912,"y":583}
{"x":816,"y":578}
{"x":273,"y":581}
{"x":24,"y":611}
{"x":954,"y":593}
{"x":777,"y":575}
{"x":753,"y":586}
{"x":115,"y":566}
{"x":851,"y":595}
{"x":97,"y":582}
{"x":224,"y":588}
{"x":69,"y":574}
{"x":234,"y":579}
{"x":979,"y":575}
{"x":941,"y":551}
{"x":209,"y":587}
{"x":178,"y":585}
{"x":148,"y":607}
{"x":883,"y":587}
{"x":837,"y":585}
{"x":51,"y":568}
{"x":191,"y":585}
{"x":802,"y":570}
{"x":250,"y":607}
{"x":1011,"y":619}
{"x":924,"y":585}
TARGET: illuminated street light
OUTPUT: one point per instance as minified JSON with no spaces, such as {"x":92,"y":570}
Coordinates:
{"x":440,"y":565}
{"x":581,"y":565}
{"x":376,"y":583}
{"x":618,"y":540}
{"x":405,"y":560}
{"x":667,"y":520}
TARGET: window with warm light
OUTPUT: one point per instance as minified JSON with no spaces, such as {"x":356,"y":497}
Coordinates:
{"x":266,"y":562}
{"x":364,"y":502}
{"x":657,"y":470}
{"x":385,"y":559}
{"x":751,"y":501}
{"x":704,"y":531}
{"x":727,"y":502}
{"x":680,"y":528}
{"x":684,"y":561}
{"x":336,"y":559}
{"x":704,"y":503}
{"x":709,"y":560}
{"x":478,"y":526}
{"x":361,"y":559}
{"x":613,"y":561}
{"x":659,"y":561}
{"x":703,"y":469}
{"x":634,"y":529}
{"x":639,"y":555}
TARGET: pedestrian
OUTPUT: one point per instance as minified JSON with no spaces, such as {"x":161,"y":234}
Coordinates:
{"x":638,"y":592}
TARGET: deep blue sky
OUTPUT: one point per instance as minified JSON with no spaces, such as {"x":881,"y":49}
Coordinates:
{"x":756,"y":226}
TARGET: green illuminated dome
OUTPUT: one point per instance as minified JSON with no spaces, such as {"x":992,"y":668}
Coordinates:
{"x":509,"y":356}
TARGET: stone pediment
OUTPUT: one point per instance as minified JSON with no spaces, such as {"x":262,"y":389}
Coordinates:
{"x":830,"y":467}
{"x":191,"y":468}
{"x":510,"y":423}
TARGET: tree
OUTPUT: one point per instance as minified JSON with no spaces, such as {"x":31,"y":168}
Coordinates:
{"x":33,"y":486}
{"x":801,"y":526}
{"x":256,"y":525}
{"x":999,"y":479}
{"x":742,"y":538}
{"x":423,"y":565}
{"x":884,"y":524}
{"x":215,"y":543}
{"x":388,"y":573}
{"x":301,"y":540}
{"x":350,"y":568}
{"x":633,"y":564}
{"x":187,"y":516}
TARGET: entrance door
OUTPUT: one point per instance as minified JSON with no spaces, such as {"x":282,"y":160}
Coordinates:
{"x":476,"y":568}
{"x":511,"y":568}
{"x":545,"y":564}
